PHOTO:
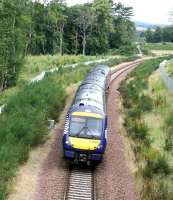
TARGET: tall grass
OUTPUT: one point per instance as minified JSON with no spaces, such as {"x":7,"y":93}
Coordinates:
{"x":36,"y":64}
{"x":23,"y":124}
{"x":159,"y":46}
{"x":137,"y":103}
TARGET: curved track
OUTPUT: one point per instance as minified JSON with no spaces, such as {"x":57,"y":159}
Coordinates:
{"x":111,"y":180}
{"x":81,"y":184}
{"x":117,"y":72}
{"x":114,"y":180}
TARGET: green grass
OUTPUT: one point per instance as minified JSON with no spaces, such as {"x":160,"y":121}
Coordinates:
{"x":36,"y":64}
{"x":23,"y":124}
{"x":161,"y":113}
{"x":147,"y":114}
{"x":159,"y":46}
{"x":169,"y":69}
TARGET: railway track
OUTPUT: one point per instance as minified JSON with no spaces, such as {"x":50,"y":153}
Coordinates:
{"x":117,"y":72}
{"x":81,"y":184}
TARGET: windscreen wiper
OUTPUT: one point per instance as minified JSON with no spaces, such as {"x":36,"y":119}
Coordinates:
{"x":80,"y":131}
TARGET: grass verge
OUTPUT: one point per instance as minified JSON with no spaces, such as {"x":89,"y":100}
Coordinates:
{"x":23,"y":124}
{"x":159,"y":46}
{"x":36,"y":64}
{"x":146,"y":130}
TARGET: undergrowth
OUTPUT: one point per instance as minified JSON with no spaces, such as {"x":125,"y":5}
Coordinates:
{"x":23,"y":124}
{"x":153,"y":166}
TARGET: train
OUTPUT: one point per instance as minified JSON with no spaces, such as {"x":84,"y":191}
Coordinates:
{"x":85,"y":129}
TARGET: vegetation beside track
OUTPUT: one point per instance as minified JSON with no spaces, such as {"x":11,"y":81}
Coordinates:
{"x":36,"y":64}
{"x":159,"y":46}
{"x":23,"y":124}
{"x":148,"y":124}
{"x":169,"y":69}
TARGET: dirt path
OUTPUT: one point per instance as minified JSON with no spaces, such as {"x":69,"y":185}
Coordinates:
{"x":113,"y":177}
{"x":43,"y":176}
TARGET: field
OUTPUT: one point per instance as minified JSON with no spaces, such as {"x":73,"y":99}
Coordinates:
{"x":23,"y":124}
{"x":159,"y":46}
{"x":169,"y":69}
{"x":148,"y":123}
{"x":34,"y":65}
{"x":159,"y":49}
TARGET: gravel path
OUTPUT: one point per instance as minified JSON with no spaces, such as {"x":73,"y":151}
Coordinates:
{"x":113,"y":178}
{"x":53,"y":175}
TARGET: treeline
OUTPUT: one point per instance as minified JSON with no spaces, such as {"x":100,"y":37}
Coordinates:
{"x":88,"y":29}
{"x":34,"y":27}
{"x":164,"y":34}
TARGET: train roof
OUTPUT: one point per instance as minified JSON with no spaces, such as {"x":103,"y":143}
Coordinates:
{"x":92,"y":90}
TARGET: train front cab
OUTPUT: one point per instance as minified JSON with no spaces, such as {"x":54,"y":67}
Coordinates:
{"x":85,"y":137}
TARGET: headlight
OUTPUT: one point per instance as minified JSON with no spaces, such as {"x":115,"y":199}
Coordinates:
{"x":100,"y":146}
{"x":67,"y":142}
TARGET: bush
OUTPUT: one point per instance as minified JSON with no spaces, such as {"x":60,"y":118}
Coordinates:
{"x":156,"y":190}
{"x":136,"y":102}
{"x":145,"y":103}
{"x":24,"y":121}
{"x":168,"y":144}
{"x":139,"y":131}
{"x":156,"y":164}
{"x":24,"y":124}
{"x":160,"y":165}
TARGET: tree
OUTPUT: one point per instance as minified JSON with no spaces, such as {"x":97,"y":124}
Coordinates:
{"x":149,"y":35}
{"x":84,"y":22}
{"x":123,"y":30}
{"x":13,"y":26}
{"x":157,"y":36}
{"x":58,"y":20}
{"x":99,"y":43}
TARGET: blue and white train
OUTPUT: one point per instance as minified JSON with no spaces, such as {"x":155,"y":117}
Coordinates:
{"x":85,"y":131}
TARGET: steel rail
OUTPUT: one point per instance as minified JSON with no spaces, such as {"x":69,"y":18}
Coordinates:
{"x":81,"y":183}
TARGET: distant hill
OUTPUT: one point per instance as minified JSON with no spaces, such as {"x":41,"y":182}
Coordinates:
{"x":142,"y":26}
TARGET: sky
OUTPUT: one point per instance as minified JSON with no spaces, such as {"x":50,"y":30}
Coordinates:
{"x":150,"y":11}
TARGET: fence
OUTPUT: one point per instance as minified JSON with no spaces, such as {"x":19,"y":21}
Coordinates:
{"x":166,"y":78}
{"x":41,"y":76}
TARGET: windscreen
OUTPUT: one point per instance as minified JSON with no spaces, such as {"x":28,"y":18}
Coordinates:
{"x":85,"y":127}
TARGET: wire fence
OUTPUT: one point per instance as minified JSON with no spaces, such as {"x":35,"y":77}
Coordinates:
{"x":41,"y":76}
{"x":166,"y":78}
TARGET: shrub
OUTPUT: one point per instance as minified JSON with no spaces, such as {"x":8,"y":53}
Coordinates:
{"x":156,"y":165}
{"x":159,"y":101}
{"x":156,"y":190}
{"x":134,"y":113}
{"x":139,"y":131}
{"x":151,"y":164}
{"x":168,"y":144}
{"x":145,"y":103}
{"x":24,"y":124}
{"x":160,"y":165}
